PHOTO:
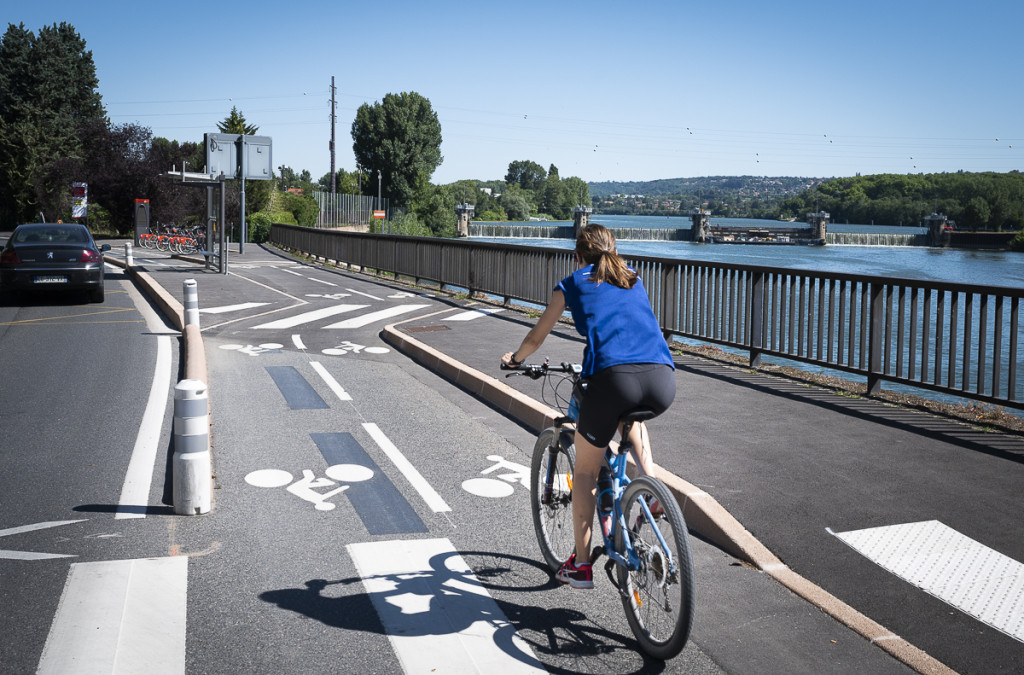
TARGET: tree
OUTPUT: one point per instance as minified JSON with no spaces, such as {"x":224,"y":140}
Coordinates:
{"x":976,"y":214}
{"x":515,"y":202}
{"x":48,"y":91}
{"x":401,"y":138}
{"x":235,"y":124}
{"x":529,"y":175}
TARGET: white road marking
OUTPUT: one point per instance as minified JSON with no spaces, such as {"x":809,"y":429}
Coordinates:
{"x":321,"y":281}
{"x":438,"y":620}
{"x":120,"y":616}
{"x":297,"y":341}
{"x":474,"y":314}
{"x":232,"y":308}
{"x":331,"y":382}
{"x":419,"y":483}
{"x":366,"y":319}
{"x":307,"y":317}
{"x":285,"y":269}
{"x":135,"y":491}
{"x":954,"y":568}
{"x":367,"y":295}
{"x":30,"y":555}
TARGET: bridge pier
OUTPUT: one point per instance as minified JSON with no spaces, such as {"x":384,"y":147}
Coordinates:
{"x":580,"y":218}
{"x":463,"y":212}
{"x":701,"y":227}
{"x":819,"y":225}
{"x":939,"y":230}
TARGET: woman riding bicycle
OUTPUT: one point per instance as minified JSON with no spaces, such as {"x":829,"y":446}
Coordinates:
{"x":626,"y":364}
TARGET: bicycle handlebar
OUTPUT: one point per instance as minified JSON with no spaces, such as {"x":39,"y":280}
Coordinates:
{"x":535,"y":371}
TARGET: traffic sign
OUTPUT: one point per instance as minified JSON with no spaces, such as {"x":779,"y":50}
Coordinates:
{"x":379,"y":214}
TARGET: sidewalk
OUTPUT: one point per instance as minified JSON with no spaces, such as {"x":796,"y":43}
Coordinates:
{"x":768,"y":469}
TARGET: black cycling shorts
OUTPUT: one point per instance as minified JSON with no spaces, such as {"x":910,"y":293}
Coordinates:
{"x":614,"y":391}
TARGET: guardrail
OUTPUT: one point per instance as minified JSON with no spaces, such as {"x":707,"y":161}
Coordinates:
{"x":958,"y":339}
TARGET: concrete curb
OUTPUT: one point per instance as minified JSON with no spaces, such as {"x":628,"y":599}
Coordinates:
{"x":702,"y":512}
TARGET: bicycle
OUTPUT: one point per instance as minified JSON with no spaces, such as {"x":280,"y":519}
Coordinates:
{"x":646,"y":547}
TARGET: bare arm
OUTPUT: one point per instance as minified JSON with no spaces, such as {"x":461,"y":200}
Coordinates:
{"x":535,"y":338}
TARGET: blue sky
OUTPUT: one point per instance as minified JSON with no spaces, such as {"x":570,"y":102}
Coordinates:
{"x":604,"y":91}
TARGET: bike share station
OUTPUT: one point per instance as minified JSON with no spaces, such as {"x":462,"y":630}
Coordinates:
{"x":228,"y":157}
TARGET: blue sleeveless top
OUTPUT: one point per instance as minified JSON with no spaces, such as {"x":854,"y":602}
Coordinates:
{"x":618,"y":323}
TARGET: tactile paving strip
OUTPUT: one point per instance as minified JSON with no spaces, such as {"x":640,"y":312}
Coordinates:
{"x":954,"y":568}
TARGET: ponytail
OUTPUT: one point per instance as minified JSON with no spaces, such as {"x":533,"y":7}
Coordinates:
{"x":596,"y":246}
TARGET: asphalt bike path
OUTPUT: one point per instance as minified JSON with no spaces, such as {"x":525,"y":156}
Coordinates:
{"x":753,"y":443}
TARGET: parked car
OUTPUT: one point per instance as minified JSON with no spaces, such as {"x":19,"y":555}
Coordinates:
{"x":52,"y":257}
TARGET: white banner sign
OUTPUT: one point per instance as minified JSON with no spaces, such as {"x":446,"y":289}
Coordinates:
{"x":79,"y":199}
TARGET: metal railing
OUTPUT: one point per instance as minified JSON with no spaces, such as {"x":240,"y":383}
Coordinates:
{"x":957,"y":339}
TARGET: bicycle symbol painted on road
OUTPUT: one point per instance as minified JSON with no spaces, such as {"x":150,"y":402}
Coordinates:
{"x":254,"y":350}
{"x":329,"y":296}
{"x":306,"y":487}
{"x":348,"y":347}
{"x":502,"y":485}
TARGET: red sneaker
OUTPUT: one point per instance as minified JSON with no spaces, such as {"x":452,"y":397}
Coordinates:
{"x":577,"y":576}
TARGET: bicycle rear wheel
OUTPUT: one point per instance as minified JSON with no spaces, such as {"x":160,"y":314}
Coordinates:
{"x":551,"y":475}
{"x":659,"y":595}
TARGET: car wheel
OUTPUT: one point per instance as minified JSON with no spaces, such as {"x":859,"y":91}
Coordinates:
{"x":96,"y":295}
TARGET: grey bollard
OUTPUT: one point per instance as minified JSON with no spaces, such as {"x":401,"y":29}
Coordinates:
{"x":191,"y":303}
{"x":192,"y":466}
{"x":128,"y":259}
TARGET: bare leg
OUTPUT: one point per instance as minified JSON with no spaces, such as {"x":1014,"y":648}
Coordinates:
{"x":589,"y":459}
{"x":641,"y":440}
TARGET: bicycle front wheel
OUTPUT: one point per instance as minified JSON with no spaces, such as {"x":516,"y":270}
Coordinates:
{"x":551,"y":476}
{"x":658,"y":595}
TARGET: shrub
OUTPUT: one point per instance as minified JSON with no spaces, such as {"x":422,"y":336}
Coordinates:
{"x":259,"y":227}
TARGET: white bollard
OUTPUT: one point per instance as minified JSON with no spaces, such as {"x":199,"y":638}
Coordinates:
{"x":192,"y":466}
{"x":128,"y":259}
{"x":191,"y":303}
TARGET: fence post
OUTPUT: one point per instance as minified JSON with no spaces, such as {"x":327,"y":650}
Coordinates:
{"x":875,"y":334}
{"x":756,"y":319}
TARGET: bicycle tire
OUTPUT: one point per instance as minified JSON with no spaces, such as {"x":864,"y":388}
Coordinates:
{"x":163,"y":243}
{"x":552,"y":517}
{"x":659,"y":604}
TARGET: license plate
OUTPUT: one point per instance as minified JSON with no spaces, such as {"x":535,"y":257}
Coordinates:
{"x":52,"y":280}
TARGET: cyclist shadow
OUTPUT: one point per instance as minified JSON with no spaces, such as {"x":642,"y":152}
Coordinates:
{"x":449,"y":599}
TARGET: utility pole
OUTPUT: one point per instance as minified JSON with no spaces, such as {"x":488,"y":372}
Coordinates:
{"x":334,"y":118}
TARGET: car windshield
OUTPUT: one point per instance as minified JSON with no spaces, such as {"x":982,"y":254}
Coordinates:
{"x":52,"y":234}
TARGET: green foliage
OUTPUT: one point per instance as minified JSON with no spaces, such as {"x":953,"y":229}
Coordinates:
{"x":303,"y":207}
{"x":48,"y":90}
{"x":993,"y":201}
{"x":1017,"y":243}
{"x":400,"y":137}
{"x":235,"y":123}
{"x":527,"y":174}
{"x":516,"y":202}
{"x":259,"y":227}
{"x":492,"y":216}
{"x":282,"y":217}
{"x":403,"y":223}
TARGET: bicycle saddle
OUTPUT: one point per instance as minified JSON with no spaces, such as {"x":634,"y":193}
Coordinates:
{"x":638,"y":415}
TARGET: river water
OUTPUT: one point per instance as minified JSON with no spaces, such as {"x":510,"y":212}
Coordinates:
{"x":992,"y":268}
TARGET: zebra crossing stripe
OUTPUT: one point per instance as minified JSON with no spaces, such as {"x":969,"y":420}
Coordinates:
{"x":474,"y":314}
{"x":366,"y":319}
{"x":232,"y":308}
{"x":120,"y":616}
{"x":308,"y":317}
{"x":437,"y":615}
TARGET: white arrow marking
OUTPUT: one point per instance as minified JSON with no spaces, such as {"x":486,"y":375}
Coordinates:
{"x":26,"y":555}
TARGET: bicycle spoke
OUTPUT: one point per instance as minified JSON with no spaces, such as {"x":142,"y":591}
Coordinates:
{"x":659,"y":593}
{"x":551,"y":498}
